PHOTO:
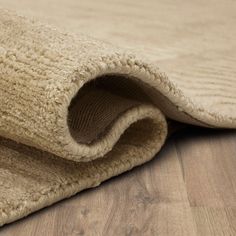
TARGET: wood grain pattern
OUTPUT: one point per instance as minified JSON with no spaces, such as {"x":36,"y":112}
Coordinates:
{"x":188,"y":189}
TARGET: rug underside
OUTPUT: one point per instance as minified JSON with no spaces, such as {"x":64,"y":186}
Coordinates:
{"x":76,"y":111}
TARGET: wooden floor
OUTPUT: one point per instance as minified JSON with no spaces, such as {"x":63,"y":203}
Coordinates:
{"x":188,"y":189}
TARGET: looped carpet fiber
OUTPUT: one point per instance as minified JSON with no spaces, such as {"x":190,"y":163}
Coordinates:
{"x":76,"y":111}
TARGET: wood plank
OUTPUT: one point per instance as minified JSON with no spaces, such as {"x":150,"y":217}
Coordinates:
{"x":215,"y":221}
{"x":188,"y":189}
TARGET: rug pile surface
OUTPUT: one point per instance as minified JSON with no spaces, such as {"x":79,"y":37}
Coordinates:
{"x":88,"y":90}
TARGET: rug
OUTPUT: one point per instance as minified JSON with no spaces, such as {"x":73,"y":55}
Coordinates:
{"x":77,"y":110}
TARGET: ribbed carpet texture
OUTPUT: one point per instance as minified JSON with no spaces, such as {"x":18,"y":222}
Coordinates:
{"x":75,"y":110}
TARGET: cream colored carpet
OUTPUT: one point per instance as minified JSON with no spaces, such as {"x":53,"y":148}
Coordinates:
{"x":75,"y":111}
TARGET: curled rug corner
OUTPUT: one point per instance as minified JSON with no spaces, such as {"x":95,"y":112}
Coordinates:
{"x":76,"y":111}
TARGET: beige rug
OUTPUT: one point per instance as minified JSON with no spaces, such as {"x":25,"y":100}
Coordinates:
{"x":76,"y":110}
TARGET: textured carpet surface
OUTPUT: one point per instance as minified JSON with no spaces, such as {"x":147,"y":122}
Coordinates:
{"x":76,"y":110}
